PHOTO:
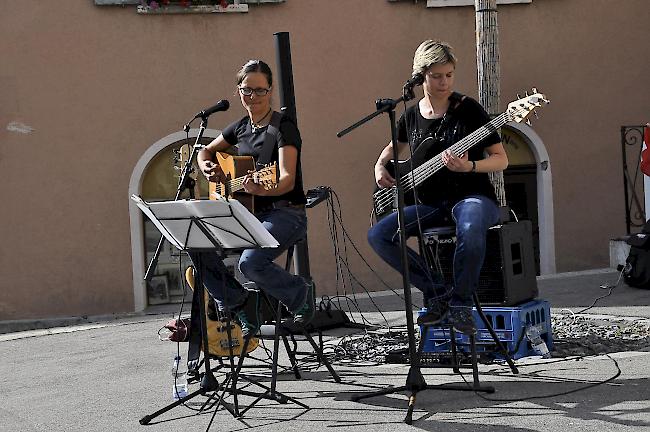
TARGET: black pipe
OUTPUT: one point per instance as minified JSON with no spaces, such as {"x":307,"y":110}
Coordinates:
{"x":288,"y":104}
{"x":285,"y":74}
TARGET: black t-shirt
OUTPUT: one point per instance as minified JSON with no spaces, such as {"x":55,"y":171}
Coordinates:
{"x":463,"y":117}
{"x":250,"y":143}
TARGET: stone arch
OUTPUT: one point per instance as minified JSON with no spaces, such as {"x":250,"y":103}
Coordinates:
{"x":135,"y":215}
{"x":544,"y":196}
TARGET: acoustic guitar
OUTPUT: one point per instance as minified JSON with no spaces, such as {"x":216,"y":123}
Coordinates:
{"x":218,"y":330}
{"x":236,"y":168}
{"x":384,"y":200}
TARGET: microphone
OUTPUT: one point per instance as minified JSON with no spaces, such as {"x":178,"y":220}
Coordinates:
{"x":416,"y":80}
{"x":222,"y":105}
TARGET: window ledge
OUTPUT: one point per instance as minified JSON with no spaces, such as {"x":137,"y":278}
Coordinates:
{"x":444,"y":3}
{"x":199,"y":9}
{"x":239,"y":6}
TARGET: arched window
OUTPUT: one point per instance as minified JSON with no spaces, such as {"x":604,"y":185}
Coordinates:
{"x":529,"y":189}
{"x":155,"y":178}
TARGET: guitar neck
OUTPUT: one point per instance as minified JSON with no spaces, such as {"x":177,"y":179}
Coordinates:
{"x":518,"y":111}
{"x":262,"y":176}
{"x":433,"y":165}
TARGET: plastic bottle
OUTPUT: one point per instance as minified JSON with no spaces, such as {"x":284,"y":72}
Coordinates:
{"x":179,"y":386}
{"x":536,"y":341}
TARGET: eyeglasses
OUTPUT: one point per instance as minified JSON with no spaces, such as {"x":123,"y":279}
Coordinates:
{"x":247,"y":91}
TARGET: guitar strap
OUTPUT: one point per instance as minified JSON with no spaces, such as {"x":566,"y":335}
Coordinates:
{"x":450,"y":126}
{"x":270,"y":140}
{"x":194,"y":339}
{"x":455,"y":99}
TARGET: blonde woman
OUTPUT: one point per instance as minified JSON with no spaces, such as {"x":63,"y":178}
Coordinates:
{"x":459,"y":193}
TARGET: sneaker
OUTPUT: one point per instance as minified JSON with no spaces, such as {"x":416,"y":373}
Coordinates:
{"x":306,"y":312}
{"x":435,"y":314}
{"x":460,"y":317}
{"x":248,"y":315}
{"x":248,"y":328}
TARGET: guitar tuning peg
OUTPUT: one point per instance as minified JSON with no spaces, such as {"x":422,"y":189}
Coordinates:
{"x":528,"y":122}
{"x":534,"y":89}
{"x":527,"y":93}
{"x":518,"y":97}
{"x":535,"y":112}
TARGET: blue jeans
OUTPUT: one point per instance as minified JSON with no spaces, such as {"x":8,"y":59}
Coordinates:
{"x":287,"y":225}
{"x":472,"y":215}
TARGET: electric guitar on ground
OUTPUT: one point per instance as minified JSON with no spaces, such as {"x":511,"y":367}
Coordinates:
{"x":218,"y":330}
{"x":236,"y":168}
{"x":385,"y":200}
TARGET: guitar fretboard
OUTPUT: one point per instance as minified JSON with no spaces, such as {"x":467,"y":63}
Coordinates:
{"x":433,"y":165}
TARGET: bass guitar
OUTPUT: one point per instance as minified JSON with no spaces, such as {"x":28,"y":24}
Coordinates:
{"x":236,"y":168}
{"x":414,"y":171}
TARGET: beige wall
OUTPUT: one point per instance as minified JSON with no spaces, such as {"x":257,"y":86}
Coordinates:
{"x":99,"y":85}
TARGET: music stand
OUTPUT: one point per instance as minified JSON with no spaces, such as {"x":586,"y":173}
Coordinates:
{"x":199,"y":226}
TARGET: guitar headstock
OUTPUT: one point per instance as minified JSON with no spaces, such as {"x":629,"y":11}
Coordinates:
{"x":181,"y":155}
{"x":267,"y":176}
{"x":520,"y":109}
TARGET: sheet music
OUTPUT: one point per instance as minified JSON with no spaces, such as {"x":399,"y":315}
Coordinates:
{"x":229,"y":223}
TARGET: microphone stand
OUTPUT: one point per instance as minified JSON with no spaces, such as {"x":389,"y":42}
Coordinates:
{"x":185,"y":182}
{"x":209,"y":382}
{"x":414,"y":381}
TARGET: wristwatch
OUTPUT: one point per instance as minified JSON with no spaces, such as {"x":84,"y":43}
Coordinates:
{"x":473,"y":166}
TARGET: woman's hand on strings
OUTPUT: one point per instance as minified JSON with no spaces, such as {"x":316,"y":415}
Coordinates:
{"x":251,"y":187}
{"x":456,"y":163}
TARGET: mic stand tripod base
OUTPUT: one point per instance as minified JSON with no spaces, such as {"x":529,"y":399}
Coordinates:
{"x":415,"y":381}
{"x":200,"y":392}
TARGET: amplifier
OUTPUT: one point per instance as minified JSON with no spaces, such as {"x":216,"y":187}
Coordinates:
{"x":508,"y":274}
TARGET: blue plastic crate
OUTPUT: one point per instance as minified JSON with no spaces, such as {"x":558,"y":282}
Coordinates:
{"x":509,"y":323}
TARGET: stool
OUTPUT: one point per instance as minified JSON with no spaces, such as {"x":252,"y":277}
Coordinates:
{"x":287,"y":331}
{"x":275,"y":330}
{"x":428,"y":243}
{"x":272,"y":312}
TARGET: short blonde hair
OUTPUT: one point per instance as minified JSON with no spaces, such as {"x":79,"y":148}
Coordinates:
{"x":432,"y":52}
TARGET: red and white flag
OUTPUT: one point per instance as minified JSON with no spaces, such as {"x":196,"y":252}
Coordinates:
{"x":645,"y":154}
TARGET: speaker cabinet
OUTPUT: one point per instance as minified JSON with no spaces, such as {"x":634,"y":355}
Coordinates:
{"x":508,"y":273}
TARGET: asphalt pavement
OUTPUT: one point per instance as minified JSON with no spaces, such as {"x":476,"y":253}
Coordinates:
{"x":107,"y":373}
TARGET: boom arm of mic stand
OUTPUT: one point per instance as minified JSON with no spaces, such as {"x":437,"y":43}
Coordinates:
{"x":182,"y":184}
{"x":383,"y":105}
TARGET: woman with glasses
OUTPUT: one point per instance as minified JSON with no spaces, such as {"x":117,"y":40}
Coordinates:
{"x":281,"y":209}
